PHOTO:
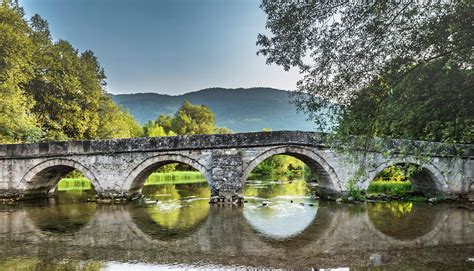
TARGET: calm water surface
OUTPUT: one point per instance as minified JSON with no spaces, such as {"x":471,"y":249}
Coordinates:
{"x":280,"y":226}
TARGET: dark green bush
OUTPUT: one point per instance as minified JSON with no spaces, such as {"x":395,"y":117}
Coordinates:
{"x":390,"y":187}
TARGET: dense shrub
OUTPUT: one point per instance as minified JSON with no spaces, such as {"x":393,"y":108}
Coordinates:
{"x":390,"y":187}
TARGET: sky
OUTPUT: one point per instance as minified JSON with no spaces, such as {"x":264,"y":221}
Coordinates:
{"x":167,"y":46}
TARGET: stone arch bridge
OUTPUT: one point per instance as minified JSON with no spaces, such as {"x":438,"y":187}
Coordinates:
{"x":119,"y":167}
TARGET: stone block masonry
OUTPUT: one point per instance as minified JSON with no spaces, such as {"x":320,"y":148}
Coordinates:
{"x":118,"y":168}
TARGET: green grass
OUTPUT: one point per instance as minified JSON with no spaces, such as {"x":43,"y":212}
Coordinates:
{"x":74,"y":184}
{"x":390,"y":187}
{"x":177,"y":177}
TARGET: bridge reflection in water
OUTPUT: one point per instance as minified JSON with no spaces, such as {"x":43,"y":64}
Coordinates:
{"x":269,"y":230}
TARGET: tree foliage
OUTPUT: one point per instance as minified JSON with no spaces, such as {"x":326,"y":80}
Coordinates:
{"x":391,"y":173}
{"x":222,"y":130}
{"x":188,"y":120}
{"x":434,"y":103}
{"x":193,"y":119}
{"x":16,"y":121}
{"x":377,"y":54}
{"x":114,"y":122}
{"x":280,"y":165}
{"x":49,"y":90}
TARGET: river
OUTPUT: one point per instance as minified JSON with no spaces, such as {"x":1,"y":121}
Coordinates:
{"x":280,"y":226}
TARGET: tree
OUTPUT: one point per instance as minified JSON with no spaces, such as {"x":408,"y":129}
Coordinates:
{"x":280,"y":165}
{"x":49,"y":90}
{"x":157,"y":130}
{"x":17,"y":124}
{"x":166,"y":122}
{"x":115,"y":123}
{"x":64,"y":85}
{"x":67,"y":92}
{"x":193,"y":119}
{"x":222,"y":130}
{"x":188,"y":120}
{"x":344,"y":48}
{"x":434,"y":102}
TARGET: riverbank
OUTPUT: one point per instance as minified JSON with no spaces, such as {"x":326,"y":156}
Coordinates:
{"x":375,"y":198}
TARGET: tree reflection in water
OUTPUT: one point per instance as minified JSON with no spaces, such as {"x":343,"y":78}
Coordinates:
{"x":179,"y":208}
{"x":20,"y":264}
{"x":403,"y":220}
{"x":66,"y":215}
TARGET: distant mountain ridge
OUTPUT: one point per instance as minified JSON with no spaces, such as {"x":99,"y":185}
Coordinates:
{"x":242,"y":110}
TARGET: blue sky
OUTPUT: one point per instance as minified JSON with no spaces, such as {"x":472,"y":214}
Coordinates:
{"x":167,"y":46}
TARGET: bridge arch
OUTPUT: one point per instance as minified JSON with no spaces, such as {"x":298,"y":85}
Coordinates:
{"x":45,"y":175}
{"x":137,"y":177}
{"x":328,"y":181}
{"x":429,"y":180}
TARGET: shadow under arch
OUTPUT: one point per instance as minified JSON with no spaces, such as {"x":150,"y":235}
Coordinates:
{"x":136,"y":179}
{"x":317,"y":228}
{"x":329,"y":183}
{"x":40,"y":179}
{"x":428,"y":180}
{"x":411,"y":223}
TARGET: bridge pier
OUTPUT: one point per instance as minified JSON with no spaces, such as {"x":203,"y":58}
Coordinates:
{"x":226,"y":177}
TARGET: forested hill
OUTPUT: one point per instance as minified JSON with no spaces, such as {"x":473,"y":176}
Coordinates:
{"x":241,"y":110}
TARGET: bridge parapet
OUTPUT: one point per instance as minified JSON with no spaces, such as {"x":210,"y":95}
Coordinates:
{"x":238,"y":140}
{"x":184,"y":142}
